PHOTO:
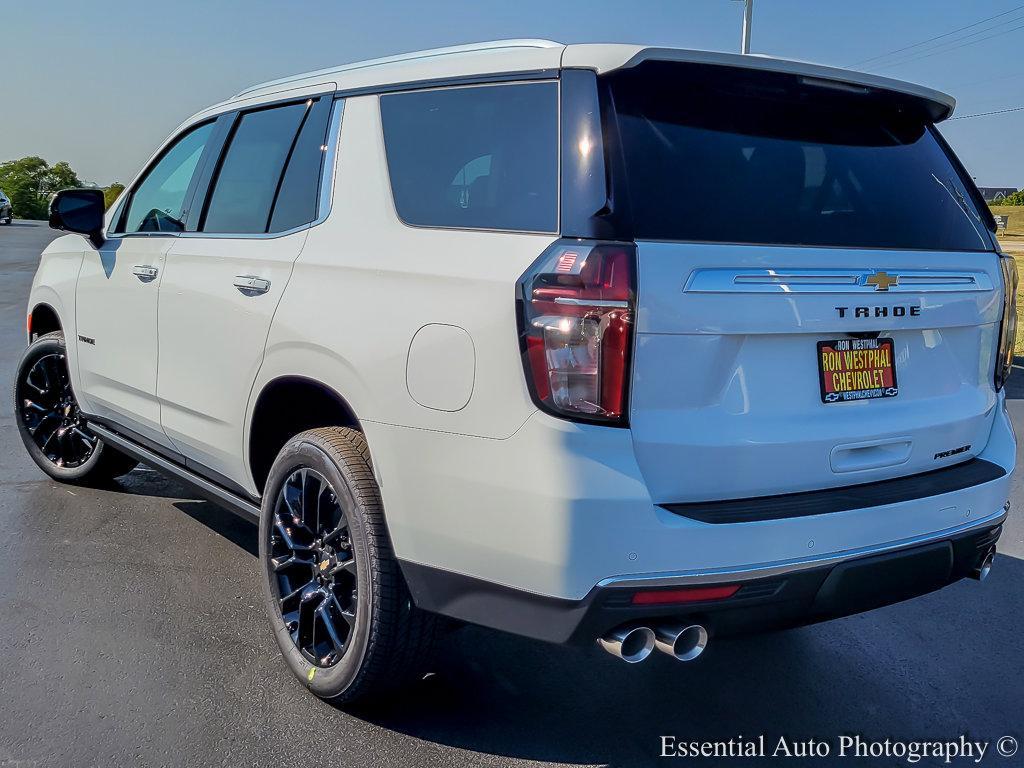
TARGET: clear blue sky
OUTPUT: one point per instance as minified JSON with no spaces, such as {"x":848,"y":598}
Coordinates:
{"x":100,"y":84}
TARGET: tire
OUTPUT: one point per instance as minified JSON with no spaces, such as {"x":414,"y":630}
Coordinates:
{"x":55,"y":434}
{"x":387,"y":641}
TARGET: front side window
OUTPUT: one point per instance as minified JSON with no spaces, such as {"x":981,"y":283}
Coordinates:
{"x":158,"y":202}
{"x":479,"y":157}
{"x":245,"y":187}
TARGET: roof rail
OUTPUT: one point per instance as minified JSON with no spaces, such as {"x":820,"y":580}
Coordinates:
{"x":432,"y":53}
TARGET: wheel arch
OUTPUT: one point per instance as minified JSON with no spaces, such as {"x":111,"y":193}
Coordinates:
{"x":41,"y":320}
{"x":285,"y":406}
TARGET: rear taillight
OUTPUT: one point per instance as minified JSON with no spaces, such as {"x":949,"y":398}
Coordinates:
{"x":1008,"y":327}
{"x":577,"y":304}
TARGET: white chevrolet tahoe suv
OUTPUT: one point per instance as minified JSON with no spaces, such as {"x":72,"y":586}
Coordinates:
{"x":586,"y":343}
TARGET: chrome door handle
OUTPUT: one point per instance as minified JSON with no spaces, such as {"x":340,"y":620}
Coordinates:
{"x":145,"y":274}
{"x":251,"y":285}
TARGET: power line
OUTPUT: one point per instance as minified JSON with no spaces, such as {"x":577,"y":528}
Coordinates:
{"x":993,"y":112}
{"x":953,"y":45}
{"x":947,"y":49}
{"x":936,"y":37}
{"x":986,"y":80}
{"x":959,"y":42}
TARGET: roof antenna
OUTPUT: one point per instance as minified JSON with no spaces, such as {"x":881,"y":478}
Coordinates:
{"x":748,"y":11}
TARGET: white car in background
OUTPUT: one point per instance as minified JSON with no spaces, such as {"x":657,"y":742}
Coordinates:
{"x":586,"y":343}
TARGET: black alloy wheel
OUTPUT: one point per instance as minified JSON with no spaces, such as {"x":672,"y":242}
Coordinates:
{"x":313,"y":566}
{"x":50,"y":414}
{"x":54,"y":430}
{"x":338,"y":606}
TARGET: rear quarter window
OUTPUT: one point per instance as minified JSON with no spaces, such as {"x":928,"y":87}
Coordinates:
{"x":477,"y":157}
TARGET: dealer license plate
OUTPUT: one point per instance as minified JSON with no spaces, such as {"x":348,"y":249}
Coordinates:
{"x":856,"y":369}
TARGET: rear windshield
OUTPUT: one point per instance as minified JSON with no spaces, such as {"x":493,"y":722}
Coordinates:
{"x":724,"y":155}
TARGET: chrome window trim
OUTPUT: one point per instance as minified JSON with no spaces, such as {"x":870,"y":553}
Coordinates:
{"x":325,"y":201}
{"x":241,"y":104}
{"x":330,"y":161}
{"x":785,"y":567}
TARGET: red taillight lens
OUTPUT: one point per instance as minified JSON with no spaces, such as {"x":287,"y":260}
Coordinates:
{"x":687,"y":595}
{"x":1008,"y":329}
{"x":577,"y":304}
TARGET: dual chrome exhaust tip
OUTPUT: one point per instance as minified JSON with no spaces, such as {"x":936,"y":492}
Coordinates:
{"x":984,"y":566}
{"x":633,"y":644}
{"x":685,"y":642}
{"x":681,"y":642}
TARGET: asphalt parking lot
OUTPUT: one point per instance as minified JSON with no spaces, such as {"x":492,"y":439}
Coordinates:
{"x":131,"y":634}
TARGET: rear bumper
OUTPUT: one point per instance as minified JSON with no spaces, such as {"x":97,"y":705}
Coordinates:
{"x":559,"y":508}
{"x":771,"y":596}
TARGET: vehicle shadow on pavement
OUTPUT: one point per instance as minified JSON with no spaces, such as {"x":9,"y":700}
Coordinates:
{"x":241,"y":533}
{"x":498,"y":694}
{"x":146,"y":482}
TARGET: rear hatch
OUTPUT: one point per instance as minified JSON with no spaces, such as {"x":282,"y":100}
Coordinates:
{"x":819,"y":297}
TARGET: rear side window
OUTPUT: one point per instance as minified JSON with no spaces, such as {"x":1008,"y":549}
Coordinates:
{"x":158,"y":203}
{"x":299,"y":195}
{"x":481,"y":157}
{"x":251,"y":170}
{"x":724,"y":155}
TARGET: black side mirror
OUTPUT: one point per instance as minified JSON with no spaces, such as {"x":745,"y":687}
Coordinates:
{"x":79,"y":210}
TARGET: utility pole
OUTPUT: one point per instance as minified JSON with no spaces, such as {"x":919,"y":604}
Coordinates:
{"x":748,"y":12}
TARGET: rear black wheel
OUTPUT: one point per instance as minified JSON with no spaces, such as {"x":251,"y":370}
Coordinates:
{"x":314,"y":568}
{"x":52,"y":427}
{"x":340,"y":610}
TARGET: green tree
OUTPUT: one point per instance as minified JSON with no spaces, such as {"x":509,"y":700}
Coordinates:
{"x":111,"y":193}
{"x":62,"y":176}
{"x":24,"y":181}
{"x":1017,"y":198}
{"x":30,"y":182}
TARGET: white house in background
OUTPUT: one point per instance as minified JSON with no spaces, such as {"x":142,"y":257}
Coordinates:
{"x":995,"y":194}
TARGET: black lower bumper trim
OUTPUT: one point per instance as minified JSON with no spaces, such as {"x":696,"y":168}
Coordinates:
{"x":493,"y":605}
{"x":801,"y":597}
{"x":920,"y":486}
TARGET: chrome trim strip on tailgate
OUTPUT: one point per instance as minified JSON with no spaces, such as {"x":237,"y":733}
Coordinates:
{"x":767,"y":570}
{"x":716,"y":280}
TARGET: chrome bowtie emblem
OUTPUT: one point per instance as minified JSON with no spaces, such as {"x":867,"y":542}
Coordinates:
{"x":882,"y":281}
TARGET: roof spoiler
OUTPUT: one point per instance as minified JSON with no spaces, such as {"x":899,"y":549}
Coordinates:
{"x":937,"y":105}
